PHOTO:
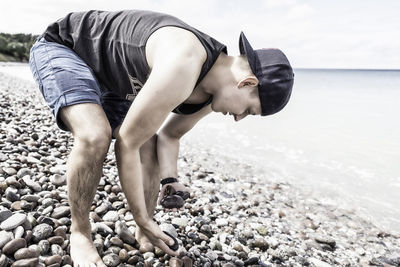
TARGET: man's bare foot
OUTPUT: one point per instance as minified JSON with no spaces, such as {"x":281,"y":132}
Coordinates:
{"x":144,"y":243}
{"x":83,"y":252}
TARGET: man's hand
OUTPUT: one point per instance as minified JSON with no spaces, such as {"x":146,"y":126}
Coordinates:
{"x":173,"y":195}
{"x":156,"y":236}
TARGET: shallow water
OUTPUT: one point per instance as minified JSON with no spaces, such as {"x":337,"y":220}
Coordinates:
{"x":338,"y":138}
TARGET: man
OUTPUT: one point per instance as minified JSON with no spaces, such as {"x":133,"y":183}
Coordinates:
{"x":119,"y":75}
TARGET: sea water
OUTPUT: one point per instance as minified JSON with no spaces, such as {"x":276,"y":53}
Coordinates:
{"x":338,"y":138}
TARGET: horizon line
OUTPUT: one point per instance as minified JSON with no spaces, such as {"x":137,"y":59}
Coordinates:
{"x":349,"y":69}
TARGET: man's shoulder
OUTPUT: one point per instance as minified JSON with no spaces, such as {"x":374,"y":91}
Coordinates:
{"x":174,"y":41}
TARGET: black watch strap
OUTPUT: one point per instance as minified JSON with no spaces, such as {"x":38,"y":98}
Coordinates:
{"x":169,"y":180}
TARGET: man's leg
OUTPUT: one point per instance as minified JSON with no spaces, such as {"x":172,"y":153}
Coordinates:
{"x":92,"y":136}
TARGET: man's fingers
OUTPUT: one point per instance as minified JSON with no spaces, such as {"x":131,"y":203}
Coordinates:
{"x":166,"y":249}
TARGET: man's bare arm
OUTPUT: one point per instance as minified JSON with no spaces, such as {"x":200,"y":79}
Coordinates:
{"x":175,"y":64}
{"x":169,"y":136}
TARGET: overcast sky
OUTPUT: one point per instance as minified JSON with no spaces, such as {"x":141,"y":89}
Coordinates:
{"x":312,"y":33}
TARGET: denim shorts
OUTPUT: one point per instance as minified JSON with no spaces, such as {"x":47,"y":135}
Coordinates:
{"x":64,"y":79}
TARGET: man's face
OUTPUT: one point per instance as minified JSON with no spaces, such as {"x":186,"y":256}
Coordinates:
{"x":238,"y":101}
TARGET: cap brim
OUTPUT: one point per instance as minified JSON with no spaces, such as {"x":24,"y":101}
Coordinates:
{"x":246,"y":49}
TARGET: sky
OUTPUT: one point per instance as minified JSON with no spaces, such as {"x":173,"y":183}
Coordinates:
{"x":362,"y":34}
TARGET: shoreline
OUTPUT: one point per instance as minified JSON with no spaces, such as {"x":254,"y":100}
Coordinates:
{"x":237,"y":215}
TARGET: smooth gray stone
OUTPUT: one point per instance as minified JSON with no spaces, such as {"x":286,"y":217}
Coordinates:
{"x":59,"y":212}
{"x":26,"y":263}
{"x":58,"y":179}
{"x":169,"y":228}
{"x":13,"y":246}
{"x":5,"y":237}
{"x":5,"y":214}
{"x":111,"y":216}
{"x":31,"y":198}
{"x":23,"y":172}
{"x":13,"y":222}
{"x":26,"y":253}
{"x":124,"y":233}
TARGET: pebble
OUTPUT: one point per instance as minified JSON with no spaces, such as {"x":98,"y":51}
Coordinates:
{"x":221,"y":222}
{"x":56,"y":250}
{"x":325,"y":240}
{"x":237,"y":246}
{"x":59,"y":240}
{"x":10,"y":171}
{"x":66,"y":260}
{"x":111,"y":216}
{"x":261,"y":243}
{"x":3,"y":260}
{"x":111,"y":260}
{"x":44,"y":246}
{"x":212,"y":255}
{"x":26,"y":263}
{"x":169,"y":228}
{"x":5,"y":237}
{"x":14,"y":221}
{"x":148,"y":255}
{"x":30,"y":198}
{"x":41,"y":231}
{"x":58,"y":179}
{"x":180,"y":221}
{"x":11,"y":195}
{"x":26,"y":253}
{"x":60,"y":212}
{"x":124,"y":233}
{"x":23,"y":172}
{"x":5,"y":214}
{"x":53,"y":259}
{"x":32,"y":184}
{"x":14,"y":245}
{"x":262,"y":230}
{"x":19,"y":231}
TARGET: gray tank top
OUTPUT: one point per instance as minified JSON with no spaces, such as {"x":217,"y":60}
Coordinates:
{"x":113,"y":45}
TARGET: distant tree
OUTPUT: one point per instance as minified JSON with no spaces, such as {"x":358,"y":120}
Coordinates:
{"x":3,"y":44}
{"x":17,"y":45}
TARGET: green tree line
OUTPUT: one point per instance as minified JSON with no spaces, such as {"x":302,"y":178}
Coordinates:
{"x":16,"y":45}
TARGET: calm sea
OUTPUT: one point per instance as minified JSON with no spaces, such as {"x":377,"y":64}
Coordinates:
{"x":338,"y":139}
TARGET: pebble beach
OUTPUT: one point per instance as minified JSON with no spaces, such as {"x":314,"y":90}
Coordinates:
{"x":235,"y":217}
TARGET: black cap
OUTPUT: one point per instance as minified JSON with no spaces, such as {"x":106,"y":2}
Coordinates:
{"x":274,"y":73}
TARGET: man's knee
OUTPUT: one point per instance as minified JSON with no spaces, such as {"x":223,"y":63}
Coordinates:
{"x":89,"y":126}
{"x":96,"y":141}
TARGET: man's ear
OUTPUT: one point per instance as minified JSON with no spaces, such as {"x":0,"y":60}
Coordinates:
{"x":251,"y":81}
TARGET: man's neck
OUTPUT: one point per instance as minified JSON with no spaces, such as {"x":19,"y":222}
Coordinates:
{"x":221,"y":73}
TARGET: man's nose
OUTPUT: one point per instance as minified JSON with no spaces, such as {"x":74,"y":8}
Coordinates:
{"x":239,"y":117}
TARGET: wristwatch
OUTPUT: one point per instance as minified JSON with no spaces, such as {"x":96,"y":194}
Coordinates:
{"x":169,"y":180}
